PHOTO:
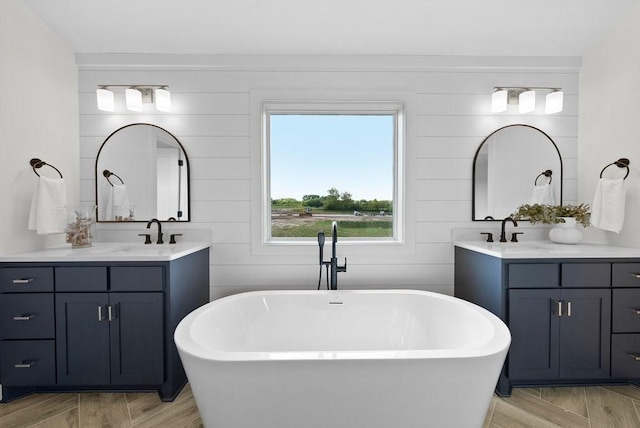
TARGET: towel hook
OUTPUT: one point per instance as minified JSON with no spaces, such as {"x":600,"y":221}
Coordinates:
{"x":620,"y":163}
{"x":37,"y":163}
{"x":108,"y":174}
{"x":548,"y":173}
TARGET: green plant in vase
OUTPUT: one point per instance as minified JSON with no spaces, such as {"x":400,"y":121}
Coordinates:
{"x":565,"y":217}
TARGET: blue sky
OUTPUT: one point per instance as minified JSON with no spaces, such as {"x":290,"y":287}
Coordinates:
{"x":312,"y":153}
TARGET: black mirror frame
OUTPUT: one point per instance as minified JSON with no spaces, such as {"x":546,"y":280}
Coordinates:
{"x":186,"y":160}
{"x":475,"y":158}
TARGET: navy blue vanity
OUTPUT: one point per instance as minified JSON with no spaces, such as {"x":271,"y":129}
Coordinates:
{"x":98,"y":319}
{"x":573,"y":311}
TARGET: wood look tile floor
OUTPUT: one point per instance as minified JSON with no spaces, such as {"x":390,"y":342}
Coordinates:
{"x":565,"y":407}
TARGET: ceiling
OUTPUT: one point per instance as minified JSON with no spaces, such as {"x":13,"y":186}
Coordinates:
{"x":333,"y":27}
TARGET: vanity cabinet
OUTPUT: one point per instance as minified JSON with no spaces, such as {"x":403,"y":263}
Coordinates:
{"x":96,"y":325}
{"x":572,"y":320}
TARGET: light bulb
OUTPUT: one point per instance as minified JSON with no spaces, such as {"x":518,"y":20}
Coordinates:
{"x":553,"y":102}
{"x":106,"y":100}
{"x":163,"y":99}
{"x":499,"y":100}
{"x":134,"y":99}
{"x":527,"y":101}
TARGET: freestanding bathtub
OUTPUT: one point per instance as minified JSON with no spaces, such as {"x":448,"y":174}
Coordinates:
{"x":306,"y":359}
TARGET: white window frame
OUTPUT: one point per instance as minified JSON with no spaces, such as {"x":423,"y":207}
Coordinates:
{"x":346,"y":107}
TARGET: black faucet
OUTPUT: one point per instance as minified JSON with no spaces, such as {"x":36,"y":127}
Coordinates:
{"x":503,"y":235}
{"x":335,"y":268}
{"x":155,"y":220}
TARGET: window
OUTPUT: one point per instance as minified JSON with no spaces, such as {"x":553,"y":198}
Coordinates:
{"x":330,"y":163}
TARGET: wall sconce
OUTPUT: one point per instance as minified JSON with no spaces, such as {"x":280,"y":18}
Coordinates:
{"x":525,"y":99}
{"x":135,"y":96}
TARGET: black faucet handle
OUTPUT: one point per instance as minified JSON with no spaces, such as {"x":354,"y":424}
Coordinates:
{"x":160,"y":241}
{"x":489,"y":236}
{"x":514,"y":236}
{"x":172,"y":238}
{"x":147,"y":237}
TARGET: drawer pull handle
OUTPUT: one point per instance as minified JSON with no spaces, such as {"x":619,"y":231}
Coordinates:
{"x":635,"y":275}
{"x":25,"y":364}
{"x":568,"y":308}
{"x":100,"y":318}
{"x":25,"y":317}
{"x":23,"y":281}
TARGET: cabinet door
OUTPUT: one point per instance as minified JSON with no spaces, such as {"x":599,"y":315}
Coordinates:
{"x":534,"y":325}
{"x":585,"y":334}
{"x":82,"y":339}
{"x":137,"y":339}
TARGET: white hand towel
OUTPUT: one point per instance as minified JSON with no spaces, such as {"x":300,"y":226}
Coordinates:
{"x":48,"y":212}
{"x":543,"y":195}
{"x":607,"y":210}
{"x":118,"y":203}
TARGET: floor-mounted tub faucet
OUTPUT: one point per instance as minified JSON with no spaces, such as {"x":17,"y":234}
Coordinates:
{"x":335,"y":268}
{"x":155,"y":220}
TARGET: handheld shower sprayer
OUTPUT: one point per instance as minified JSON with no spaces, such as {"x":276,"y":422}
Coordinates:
{"x":321,"y":245}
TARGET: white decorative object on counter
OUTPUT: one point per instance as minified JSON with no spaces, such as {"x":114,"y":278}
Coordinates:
{"x":567,"y":232}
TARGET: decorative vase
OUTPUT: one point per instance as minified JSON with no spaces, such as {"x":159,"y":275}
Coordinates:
{"x":80,"y":220}
{"x":567,"y":232}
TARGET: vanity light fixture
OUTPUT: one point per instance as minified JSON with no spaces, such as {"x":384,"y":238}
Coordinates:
{"x":135,"y":97}
{"x":106,"y":99}
{"x":499,"y":100}
{"x":525,"y":98}
{"x":553,"y":102}
{"x":527,"y":101}
{"x":163,"y":99}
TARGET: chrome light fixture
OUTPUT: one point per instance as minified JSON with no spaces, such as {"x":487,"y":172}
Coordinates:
{"x":554,"y":102}
{"x":135,"y":97}
{"x":163,"y":99}
{"x":525,"y":98}
{"x":527,"y":101}
{"x":106,"y":99}
{"x":499,"y":100}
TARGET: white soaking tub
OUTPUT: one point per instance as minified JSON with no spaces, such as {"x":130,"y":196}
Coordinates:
{"x":306,"y":359}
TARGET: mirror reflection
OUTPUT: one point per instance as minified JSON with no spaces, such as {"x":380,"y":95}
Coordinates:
{"x":515,"y":165}
{"x":142,"y":172}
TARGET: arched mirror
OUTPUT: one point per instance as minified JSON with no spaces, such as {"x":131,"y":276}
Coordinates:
{"x":515,"y":165}
{"x":142,"y":172}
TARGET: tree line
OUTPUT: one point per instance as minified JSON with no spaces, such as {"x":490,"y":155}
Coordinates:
{"x":334,"y":200}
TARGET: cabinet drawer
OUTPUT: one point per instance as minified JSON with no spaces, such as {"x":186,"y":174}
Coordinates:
{"x":27,"y":316}
{"x":81,"y":278}
{"x":148,"y":278}
{"x":625,"y":356}
{"x":27,"y":279}
{"x":626,"y":310}
{"x":586,"y":275}
{"x":28,"y":362}
{"x":626,"y":275}
{"x":543,"y":275}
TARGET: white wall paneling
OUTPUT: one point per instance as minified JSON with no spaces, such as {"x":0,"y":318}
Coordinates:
{"x":212,"y":117}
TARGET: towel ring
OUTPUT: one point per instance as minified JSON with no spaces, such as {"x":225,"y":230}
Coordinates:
{"x":108,"y":174}
{"x":620,"y":163}
{"x":547,"y":173}
{"x":37,"y":163}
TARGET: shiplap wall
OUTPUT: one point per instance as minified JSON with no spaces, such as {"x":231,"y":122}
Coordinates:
{"x":449,"y":116}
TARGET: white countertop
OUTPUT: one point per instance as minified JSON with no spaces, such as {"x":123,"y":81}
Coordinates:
{"x":109,"y":251}
{"x":547,"y":250}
